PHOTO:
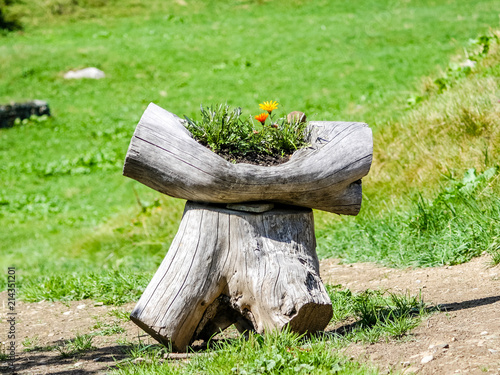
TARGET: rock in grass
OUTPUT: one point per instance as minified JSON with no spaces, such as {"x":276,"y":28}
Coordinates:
{"x":10,"y":112}
{"x":92,"y":73}
{"x":296,"y":117}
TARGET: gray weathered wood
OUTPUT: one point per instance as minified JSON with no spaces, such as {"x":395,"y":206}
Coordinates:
{"x":257,"y":271}
{"x":326,"y":176}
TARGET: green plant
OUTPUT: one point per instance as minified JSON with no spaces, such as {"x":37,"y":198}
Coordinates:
{"x":223,"y":130}
{"x":123,"y":315}
{"x":376,"y":314}
{"x":79,"y":344}
{"x":106,"y":329}
{"x":30,"y":344}
{"x":64,"y":201}
{"x":3,"y":352}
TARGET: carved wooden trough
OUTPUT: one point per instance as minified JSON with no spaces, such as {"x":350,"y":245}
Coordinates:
{"x":234,"y":261}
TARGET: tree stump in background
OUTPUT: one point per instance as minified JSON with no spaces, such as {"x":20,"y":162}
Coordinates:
{"x":258,"y":271}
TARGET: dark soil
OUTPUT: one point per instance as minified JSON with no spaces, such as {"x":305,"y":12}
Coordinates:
{"x":254,"y":158}
{"x":251,"y":157}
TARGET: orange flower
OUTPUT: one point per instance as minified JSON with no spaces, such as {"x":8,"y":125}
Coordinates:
{"x":261,"y":118}
{"x":269,"y":106}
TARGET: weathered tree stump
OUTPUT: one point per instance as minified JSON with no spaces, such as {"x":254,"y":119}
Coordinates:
{"x":258,"y":271}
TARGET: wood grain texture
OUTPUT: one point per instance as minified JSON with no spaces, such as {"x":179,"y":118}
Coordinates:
{"x":257,"y":271}
{"x":326,"y":176}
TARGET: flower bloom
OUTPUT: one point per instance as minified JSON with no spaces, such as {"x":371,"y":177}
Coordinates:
{"x":269,"y":106}
{"x":261,"y":118}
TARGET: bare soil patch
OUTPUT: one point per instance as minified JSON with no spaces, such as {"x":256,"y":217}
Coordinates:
{"x":463,"y":338}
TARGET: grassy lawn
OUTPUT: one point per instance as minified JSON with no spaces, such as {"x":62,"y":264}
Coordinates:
{"x":63,"y":199}
{"x":75,"y":228}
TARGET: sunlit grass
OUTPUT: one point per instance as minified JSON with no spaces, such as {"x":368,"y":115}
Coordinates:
{"x":63,"y":201}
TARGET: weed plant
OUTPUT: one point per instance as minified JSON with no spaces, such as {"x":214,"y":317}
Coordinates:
{"x":223,"y":129}
{"x":78,"y":345}
{"x":372,"y":315}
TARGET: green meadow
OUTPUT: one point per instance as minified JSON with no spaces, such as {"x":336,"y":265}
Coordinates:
{"x":75,"y":228}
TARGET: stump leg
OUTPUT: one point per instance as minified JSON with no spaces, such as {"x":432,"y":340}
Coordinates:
{"x":257,"y":271}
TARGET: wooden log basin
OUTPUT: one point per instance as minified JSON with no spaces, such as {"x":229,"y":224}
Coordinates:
{"x":325,"y":176}
{"x":245,"y":251}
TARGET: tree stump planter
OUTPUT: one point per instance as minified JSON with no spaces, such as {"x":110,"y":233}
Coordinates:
{"x":258,"y":269}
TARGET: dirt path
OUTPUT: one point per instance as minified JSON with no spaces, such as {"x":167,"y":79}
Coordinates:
{"x":464,"y":339}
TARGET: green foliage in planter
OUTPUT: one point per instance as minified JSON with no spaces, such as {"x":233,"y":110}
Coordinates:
{"x":226,"y":130}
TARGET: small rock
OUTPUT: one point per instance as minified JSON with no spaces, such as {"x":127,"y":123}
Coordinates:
{"x":99,"y":304}
{"x":468,"y":64}
{"x":96,"y":359}
{"x":67,"y":313}
{"x":92,"y":73}
{"x":296,"y":116}
{"x":484,"y":333}
{"x":427,"y":359}
{"x":439,"y":345}
{"x":81,"y":306}
{"x":405,"y":364}
{"x":138,"y":360}
{"x":493,"y":351}
{"x":78,"y":364}
{"x":418,"y":281}
{"x":411,"y":370}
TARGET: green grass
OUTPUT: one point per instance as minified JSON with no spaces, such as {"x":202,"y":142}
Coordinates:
{"x":461,"y":222}
{"x":275,"y":353}
{"x":435,"y":189}
{"x":76,"y":346}
{"x":367,"y":317}
{"x":63,"y":201}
